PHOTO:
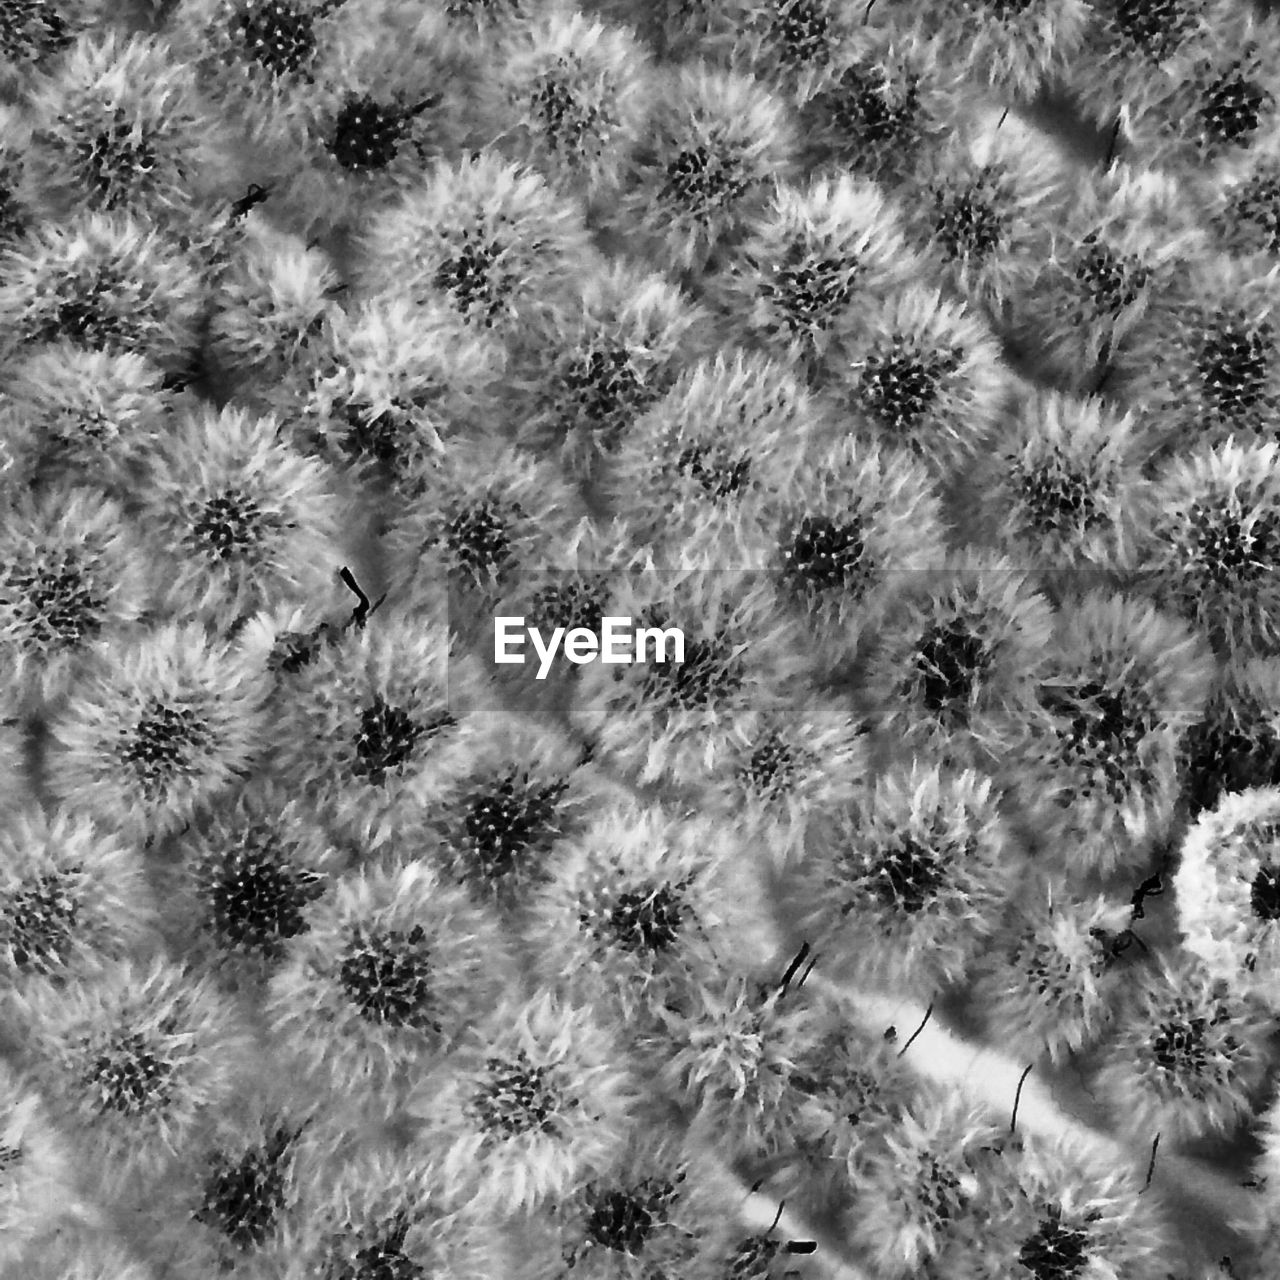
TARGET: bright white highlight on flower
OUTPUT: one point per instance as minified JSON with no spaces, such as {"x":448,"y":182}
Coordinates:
{"x":612,"y":645}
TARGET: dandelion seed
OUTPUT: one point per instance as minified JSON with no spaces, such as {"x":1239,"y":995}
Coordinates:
{"x":121,"y":126}
{"x":70,"y":574}
{"x":1066,"y":484}
{"x":376,"y":727}
{"x":158,"y":728}
{"x":1125,"y":684}
{"x":537,"y":1104}
{"x":104,"y":283}
{"x":133,"y":1058}
{"x":1050,"y":987}
{"x":1237,"y":744}
{"x":393,"y":967}
{"x":717,"y":140}
{"x":919,"y":866}
{"x":632,"y":906}
{"x":1184,"y":1056}
{"x":71,"y":896}
{"x":724,"y":440}
{"x":241,"y":518}
{"x":485,"y":236}
{"x":958,"y":658}
{"x":927,"y":376}
{"x":1214,"y":538}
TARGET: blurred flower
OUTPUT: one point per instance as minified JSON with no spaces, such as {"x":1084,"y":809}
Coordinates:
{"x":119,"y":124}
{"x":834,"y":558}
{"x":1184,"y":1056}
{"x":916,"y":1186}
{"x":905,"y":886}
{"x":621,"y":349}
{"x":376,"y":727}
{"x":370,"y":1212}
{"x":247,"y":879}
{"x":36,"y":1172}
{"x":272,"y":296}
{"x":1122,"y":248}
{"x":888,"y":100}
{"x":237,"y":518}
{"x":72,"y":572}
{"x":819,"y":258}
{"x":132,"y":1060}
{"x":71,"y":896}
{"x":489,"y":238}
{"x":539,"y":1100}
{"x":1237,"y":743}
{"x":395,"y":966}
{"x":957,"y":660}
{"x":982,"y":205}
{"x":1064,"y":484}
{"x":397,"y":385}
{"x":631,"y":910}
{"x":1008,"y":46}
{"x":105,"y":283}
{"x":91,"y":414}
{"x":527,"y":789}
{"x":714,"y":142}
{"x":485,"y":512}
{"x":1214,"y":541}
{"x":724,"y":441}
{"x":1205,"y":363}
{"x":662,"y":718}
{"x":569,"y":94}
{"x":795,"y":44}
{"x":1047,"y":985}
{"x":157,"y":728}
{"x":1124,"y":684}
{"x":926,"y":375}
{"x":798,"y":763}
{"x":1228,"y":892}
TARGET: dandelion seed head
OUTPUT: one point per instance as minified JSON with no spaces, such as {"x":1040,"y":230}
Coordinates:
{"x":517,"y":1096}
{"x":163,"y":743}
{"x":279,"y":36}
{"x":367,"y":134}
{"x":478,"y":540}
{"x":245,"y":1192}
{"x":386,"y":974}
{"x":508,"y":820}
{"x":1234,"y":361}
{"x":1232,"y":108}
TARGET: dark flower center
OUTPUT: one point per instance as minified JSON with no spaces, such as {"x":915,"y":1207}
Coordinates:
{"x":1256,"y":203}
{"x":1059,"y":498}
{"x":949,"y":661}
{"x":115,"y":160}
{"x":228,"y":525}
{"x":1232,"y":110}
{"x":967,"y":224}
{"x":471,"y":277}
{"x":59,"y":608}
{"x":245,"y":1195}
{"x":278,"y":36}
{"x":801,"y":31}
{"x":810,"y":290}
{"x":647,"y":920}
{"x":385,"y":1259}
{"x":719,"y":478}
{"x":293,"y":650}
{"x":386,"y":974}
{"x":772,"y":766}
{"x":899,"y":387}
{"x":31,"y":29}
{"x":381,"y":436}
{"x":702,"y":182}
{"x":1264,"y":893}
{"x":130,"y":1077}
{"x":1231,"y":551}
{"x":573,"y":602}
{"x":824,"y":554}
{"x":1105,"y":733}
{"x":709,"y":672}
{"x":604,"y":385}
{"x":907,"y":876}
{"x":1055,"y":1252}
{"x":566,"y":120}
{"x":623,"y":1218}
{"x":479,"y":539}
{"x":1156,"y":27}
{"x":865,"y":108}
{"x":83,"y":316}
{"x":161,"y":744}
{"x":1179,"y":1047}
{"x":41,"y":920}
{"x":507,"y":821}
{"x":1234,"y":363}
{"x":257,"y":898}
{"x":1223,"y":759}
{"x":516,"y":1098}
{"x":387,"y":739}
{"x":367,"y":133}
{"x":1113,"y":282}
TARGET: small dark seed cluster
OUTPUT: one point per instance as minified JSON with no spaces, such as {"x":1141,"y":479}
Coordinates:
{"x":386,"y":974}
